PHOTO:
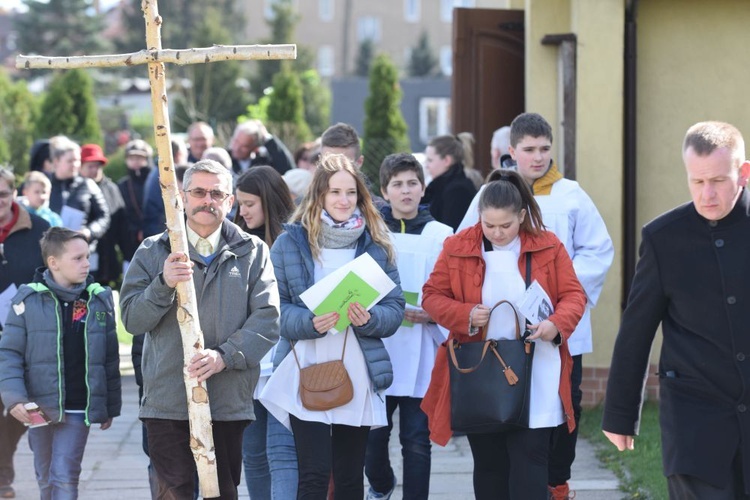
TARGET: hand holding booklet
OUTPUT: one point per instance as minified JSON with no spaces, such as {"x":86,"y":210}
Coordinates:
{"x":38,"y":417}
{"x":535,"y":304}
{"x":361,"y":280}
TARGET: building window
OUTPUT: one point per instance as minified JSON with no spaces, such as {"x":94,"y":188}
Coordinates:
{"x":368,"y":27}
{"x":325,"y":61}
{"x":325,"y":10}
{"x":412,"y":11}
{"x":434,"y":117}
{"x":446,"y":60}
{"x":268,"y":8}
{"x":446,"y":8}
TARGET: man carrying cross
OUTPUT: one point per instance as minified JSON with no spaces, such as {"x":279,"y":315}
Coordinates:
{"x":239,"y":310}
{"x":200,"y":419}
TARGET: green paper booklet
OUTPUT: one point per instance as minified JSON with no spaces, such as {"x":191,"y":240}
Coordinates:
{"x":412,"y":299}
{"x":351,"y":289}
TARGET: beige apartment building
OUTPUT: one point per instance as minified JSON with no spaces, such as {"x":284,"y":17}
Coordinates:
{"x":334,"y":29}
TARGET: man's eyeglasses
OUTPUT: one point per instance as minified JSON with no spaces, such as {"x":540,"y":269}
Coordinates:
{"x":200,"y":193}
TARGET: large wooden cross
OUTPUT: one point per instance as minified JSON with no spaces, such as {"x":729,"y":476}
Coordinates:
{"x":201,"y":437}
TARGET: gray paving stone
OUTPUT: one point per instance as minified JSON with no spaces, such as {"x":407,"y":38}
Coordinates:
{"x":114,"y":466}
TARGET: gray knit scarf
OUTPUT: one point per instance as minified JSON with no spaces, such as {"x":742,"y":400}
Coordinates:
{"x":336,"y":237}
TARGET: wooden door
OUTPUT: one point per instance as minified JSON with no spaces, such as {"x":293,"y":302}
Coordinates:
{"x":488,"y":74}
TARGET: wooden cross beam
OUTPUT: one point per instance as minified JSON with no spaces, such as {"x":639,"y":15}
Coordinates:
{"x":201,"y":437}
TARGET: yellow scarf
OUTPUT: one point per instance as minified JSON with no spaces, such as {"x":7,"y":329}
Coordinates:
{"x":543,"y":185}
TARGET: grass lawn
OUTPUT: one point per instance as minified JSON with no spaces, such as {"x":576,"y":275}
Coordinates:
{"x":640,"y":470}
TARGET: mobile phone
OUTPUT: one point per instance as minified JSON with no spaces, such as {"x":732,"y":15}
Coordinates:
{"x":38,"y":417}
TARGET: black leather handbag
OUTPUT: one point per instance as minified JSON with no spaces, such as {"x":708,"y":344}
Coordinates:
{"x":490,"y":381}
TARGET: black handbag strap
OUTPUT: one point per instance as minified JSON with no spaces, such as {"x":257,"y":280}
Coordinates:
{"x":488,"y":248}
{"x":528,"y":284}
{"x":528,"y":269}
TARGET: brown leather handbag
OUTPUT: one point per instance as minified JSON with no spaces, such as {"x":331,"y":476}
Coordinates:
{"x":324,"y":386}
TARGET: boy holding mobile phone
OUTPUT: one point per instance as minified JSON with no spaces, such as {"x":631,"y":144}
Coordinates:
{"x":62,"y":324}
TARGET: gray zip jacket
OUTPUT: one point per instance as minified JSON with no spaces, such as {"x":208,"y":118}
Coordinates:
{"x":31,"y":353}
{"x":238,"y":308}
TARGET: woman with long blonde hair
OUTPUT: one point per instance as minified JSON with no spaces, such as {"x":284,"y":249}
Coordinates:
{"x":335,"y":223}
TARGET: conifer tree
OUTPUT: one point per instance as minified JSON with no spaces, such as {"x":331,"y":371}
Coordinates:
{"x":317,"y":99}
{"x":180,"y":17}
{"x":18,"y":110}
{"x":283,"y":23}
{"x":422,"y":61}
{"x":69,"y":108}
{"x":60,"y":27}
{"x":385,"y":128}
{"x":364,"y":58}
{"x":286,"y":109}
{"x":213,"y":95}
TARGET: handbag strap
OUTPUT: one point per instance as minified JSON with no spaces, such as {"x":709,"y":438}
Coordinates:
{"x":528,"y":269}
{"x":489,"y":345}
{"x":528,"y":284}
{"x":294,"y":351}
{"x":515,"y":315}
{"x":452,"y":351}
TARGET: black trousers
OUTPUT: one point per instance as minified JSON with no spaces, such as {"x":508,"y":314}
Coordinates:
{"x":11,"y":431}
{"x":683,"y":487}
{"x":563,"y":444}
{"x":322,"y":449}
{"x":511,"y":465}
{"x":169,"y":450}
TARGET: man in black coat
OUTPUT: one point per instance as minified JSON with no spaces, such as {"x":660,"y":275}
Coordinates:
{"x":693,"y":278}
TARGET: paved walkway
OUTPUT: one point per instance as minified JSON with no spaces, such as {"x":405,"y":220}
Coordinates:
{"x":114,"y":466}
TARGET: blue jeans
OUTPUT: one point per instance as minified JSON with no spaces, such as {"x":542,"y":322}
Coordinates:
{"x":270,"y":458}
{"x":58,"y":452}
{"x":415,"y":450}
{"x":282,"y":460}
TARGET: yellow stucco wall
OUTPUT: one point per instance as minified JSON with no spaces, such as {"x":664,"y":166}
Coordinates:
{"x":598,"y":25}
{"x":693,"y":65}
{"x":501,"y":4}
{"x":543,"y":17}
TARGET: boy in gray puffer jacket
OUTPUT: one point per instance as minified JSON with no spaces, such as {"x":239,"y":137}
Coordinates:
{"x":59,"y":353}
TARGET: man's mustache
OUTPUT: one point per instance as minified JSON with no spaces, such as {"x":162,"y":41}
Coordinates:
{"x":208,"y":208}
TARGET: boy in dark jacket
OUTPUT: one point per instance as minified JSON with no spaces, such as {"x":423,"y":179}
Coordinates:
{"x":418,"y":239}
{"x":63,"y":325}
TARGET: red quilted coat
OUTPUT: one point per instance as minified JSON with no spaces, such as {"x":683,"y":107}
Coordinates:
{"x":455,"y":287}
